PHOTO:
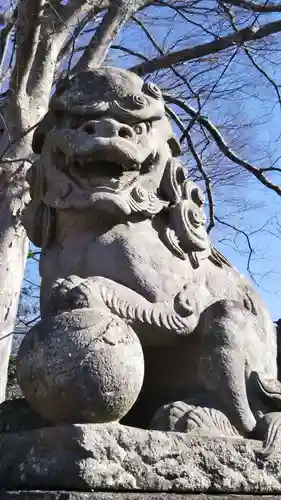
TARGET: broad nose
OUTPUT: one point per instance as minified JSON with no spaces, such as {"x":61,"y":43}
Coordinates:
{"x":108,"y":128}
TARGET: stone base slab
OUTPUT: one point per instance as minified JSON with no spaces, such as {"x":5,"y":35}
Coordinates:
{"x":112,"y":457}
{"x":77,"y":495}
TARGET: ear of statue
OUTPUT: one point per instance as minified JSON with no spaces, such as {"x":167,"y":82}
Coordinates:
{"x":39,"y":222}
{"x":41,"y":131}
{"x":37,"y":218}
{"x":174,"y":146}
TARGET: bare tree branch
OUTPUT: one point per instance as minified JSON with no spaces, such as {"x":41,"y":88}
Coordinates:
{"x":118,"y":13}
{"x":221,"y":143}
{"x":76,"y":9}
{"x":264,"y":73}
{"x":5,"y":34}
{"x":159,"y":49}
{"x":250,"y":56}
{"x":42,"y":29}
{"x":70,"y":42}
{"x":27,"y":38}
{"x":247,"y":237}
{"x":131,"y":52}
{"x":55,"y":28}
{"x":198,"y":51}
{"x":267,"y":7}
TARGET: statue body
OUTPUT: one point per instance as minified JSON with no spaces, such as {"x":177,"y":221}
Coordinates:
{"x":122,"y":231}
{"x":172,"y":362}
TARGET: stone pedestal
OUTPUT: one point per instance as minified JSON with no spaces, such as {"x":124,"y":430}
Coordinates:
{"x":77,"y":495}
{"x":114,"y":462}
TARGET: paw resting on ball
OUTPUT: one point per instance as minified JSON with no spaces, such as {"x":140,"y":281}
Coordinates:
{"x":74,"y":293}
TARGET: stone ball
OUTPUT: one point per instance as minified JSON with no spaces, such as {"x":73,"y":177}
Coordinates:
{"x":81,"y":366}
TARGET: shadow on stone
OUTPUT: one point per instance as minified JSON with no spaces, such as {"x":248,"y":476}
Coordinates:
{"x":17,"y":415}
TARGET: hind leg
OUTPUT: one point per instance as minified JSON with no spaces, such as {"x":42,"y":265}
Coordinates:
{"x":226,"y":326}
{"x":193,"y":415}
{"x":222,"y":403}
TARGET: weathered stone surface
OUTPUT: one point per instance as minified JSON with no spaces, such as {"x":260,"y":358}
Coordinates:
{"x":75,"y":368}
{"x":114,"y":457}
{"x":78,"y":495}
{"x":118,"y":216}
{"x":17,"y":415}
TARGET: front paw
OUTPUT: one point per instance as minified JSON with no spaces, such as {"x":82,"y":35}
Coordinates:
{"x":172,"y":417}
{"x":70,"y":293}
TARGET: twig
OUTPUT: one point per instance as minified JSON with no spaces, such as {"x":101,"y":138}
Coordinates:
{"x":221,"y":143}
{"x":159,"y":49}
{"x":5,"y":34}
{"x":68,"y":46}
{"x":248,"y":53}
{"x":18,"y":139}
{"x":198,"y":51}
{"x":240,"y":231}
{"x":27,"y":36}
{"x":123,"y":49}
{"x":117,"y":14}
{"x":256,"y":7}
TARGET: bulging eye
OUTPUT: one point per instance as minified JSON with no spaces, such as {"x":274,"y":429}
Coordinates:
{"x":142,"y":127}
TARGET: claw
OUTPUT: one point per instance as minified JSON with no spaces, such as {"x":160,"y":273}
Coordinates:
{"x":270,"y":426}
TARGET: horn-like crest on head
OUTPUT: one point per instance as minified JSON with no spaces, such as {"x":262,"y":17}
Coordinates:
{"x":99,"y":90}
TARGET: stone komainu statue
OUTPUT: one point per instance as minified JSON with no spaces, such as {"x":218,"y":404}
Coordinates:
{"x":125,"y":251}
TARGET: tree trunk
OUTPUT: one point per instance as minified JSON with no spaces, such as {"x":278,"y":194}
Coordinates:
{"x":13,"y":240}
{"x":14,"y":245}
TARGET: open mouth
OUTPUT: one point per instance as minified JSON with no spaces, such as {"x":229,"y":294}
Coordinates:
{"x":105,"y":168}
{"x":101,"y":172}
{"x":102,"y":175}
{"x":97,"y":165}
{"x":108,"y":169}
{"x":91,"y":168}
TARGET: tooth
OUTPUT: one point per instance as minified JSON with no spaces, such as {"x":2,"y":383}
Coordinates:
{"x":154,"y":152}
